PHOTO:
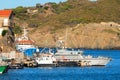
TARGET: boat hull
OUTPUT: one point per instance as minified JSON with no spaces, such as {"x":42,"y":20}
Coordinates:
{"x":24,"y":47}
{"x":16,"y":66}
{"x":3,"y":69}
{"x":95,"y":62}
{"x":47,"y":65}
{"x":67,"y":64}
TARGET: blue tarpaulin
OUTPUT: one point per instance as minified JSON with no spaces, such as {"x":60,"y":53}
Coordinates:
{"x":31,"y":51}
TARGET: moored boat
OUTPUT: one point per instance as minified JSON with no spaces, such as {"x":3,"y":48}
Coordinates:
{"x":46,"y":60}
{"x":3,"y":69}
{"x":92,"y":61}
{"x":82,"y":60}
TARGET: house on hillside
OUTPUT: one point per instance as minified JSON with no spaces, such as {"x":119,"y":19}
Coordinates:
{"x":7,"y":23}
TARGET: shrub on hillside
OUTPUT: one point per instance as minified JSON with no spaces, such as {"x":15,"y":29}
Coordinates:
{"x":19,"y":9}
{"x":17,"y":30}
{"x":46,"y":7}
{"x":60,"y":8}
{"x":33,"y":25}
{"x":4,"y":32}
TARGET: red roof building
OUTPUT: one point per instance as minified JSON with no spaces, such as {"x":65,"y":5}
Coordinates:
{"x":5,"y":13}
{"x":6,"y":21}
{"x":6,"y":18}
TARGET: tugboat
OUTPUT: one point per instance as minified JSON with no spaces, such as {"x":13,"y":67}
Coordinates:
{"x":24,"y":42}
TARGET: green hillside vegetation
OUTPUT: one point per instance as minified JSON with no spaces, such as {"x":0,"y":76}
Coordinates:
{"x":73,"y":12}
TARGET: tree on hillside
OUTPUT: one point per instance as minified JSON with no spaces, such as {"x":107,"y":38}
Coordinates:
{"x":19,"y":9}
{"x":4,"y":32}
{"x":38,"y":5}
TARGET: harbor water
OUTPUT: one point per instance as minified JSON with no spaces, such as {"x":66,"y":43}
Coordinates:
{"x":109,"y":72}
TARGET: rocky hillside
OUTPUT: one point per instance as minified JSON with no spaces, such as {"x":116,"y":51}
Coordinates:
{"x":86,"y":24}
{"x":92,"y":35}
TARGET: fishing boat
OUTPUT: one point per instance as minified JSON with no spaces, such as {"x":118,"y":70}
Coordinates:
{"x":46,"y":60}
{"x":24,"y":42}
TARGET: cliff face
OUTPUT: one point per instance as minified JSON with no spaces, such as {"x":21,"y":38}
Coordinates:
{"x":92,"y":35}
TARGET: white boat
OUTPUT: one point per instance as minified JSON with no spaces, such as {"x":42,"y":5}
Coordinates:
{"x":98,"y":61}
{"x":77,"y":56}
{"x":46,"y":60}
{"x":24,"y":42}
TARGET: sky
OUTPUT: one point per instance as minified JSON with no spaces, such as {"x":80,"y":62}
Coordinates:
{"x":7,"y":4}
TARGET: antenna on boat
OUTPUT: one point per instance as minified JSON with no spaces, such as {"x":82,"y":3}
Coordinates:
{"x":65,"y":43}
{"x":24,"y":36}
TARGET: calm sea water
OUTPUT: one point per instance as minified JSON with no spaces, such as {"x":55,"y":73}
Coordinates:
{"x":109,"y":72}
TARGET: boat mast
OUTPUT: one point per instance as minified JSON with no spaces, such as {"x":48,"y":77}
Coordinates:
{"x":24,"y":36}
{"x":65,"y":42}
{"x":62,"y":43}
